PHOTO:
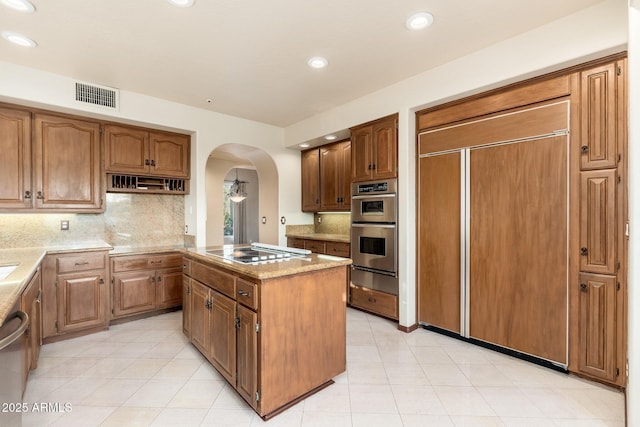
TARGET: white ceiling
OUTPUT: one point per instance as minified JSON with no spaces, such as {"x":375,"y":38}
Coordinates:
{"x":250,"y":56}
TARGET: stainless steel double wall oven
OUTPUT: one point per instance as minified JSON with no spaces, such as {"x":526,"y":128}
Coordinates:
{"x":374,"y":235}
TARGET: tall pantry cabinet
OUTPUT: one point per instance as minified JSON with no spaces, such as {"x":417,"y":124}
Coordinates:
{"x":522,"y":215}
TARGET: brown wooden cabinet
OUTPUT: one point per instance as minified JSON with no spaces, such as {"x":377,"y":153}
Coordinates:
{"x":143,"y":283}
{"x":186,"y":305}
{"x":15,"y":162}
{"x":247,"y":355}
{"x":310,"y":171}
{"x":341,"y":249}
{"x":375,"y":150}
{"x":335,"y":176}
{"x":31,"y":304}
{"x":67,"y":164}
{"x":74,"y":293}
{"x":374,"y":301}
{"x":137,"y":151}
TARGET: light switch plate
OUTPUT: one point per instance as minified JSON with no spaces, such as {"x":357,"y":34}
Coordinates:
{"x":64,"y":224}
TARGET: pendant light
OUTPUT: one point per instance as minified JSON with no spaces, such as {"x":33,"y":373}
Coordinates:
{"x":237,"y":192}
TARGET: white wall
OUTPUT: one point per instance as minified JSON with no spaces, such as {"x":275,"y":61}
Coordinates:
{"x":633,"y":387}
{"x":588,"y":34}
{"x":26,"y":86}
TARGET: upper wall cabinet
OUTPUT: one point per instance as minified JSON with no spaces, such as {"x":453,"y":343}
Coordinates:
{"x":375,"y":150}
{"x":600,"y":93}
{"x":326,"y":178}
{"x":310,"y":168}
{"x":15,"y":162}
{"x":137,"y":151}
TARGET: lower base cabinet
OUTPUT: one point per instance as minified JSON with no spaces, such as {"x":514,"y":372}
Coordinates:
{"x":269,"y":338}
{"x":30,"y":303}
{"x":374,"y":301}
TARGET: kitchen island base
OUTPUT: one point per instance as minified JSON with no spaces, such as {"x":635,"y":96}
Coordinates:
{"x":276,"y":333}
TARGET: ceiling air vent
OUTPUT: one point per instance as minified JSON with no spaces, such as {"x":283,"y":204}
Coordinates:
{"x":97,"y":95}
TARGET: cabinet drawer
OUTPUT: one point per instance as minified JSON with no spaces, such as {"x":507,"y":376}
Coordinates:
{"x":374,"y":301}
{"x":146,"y":262}
{"x":215,"y":279}
{"x":247,"y":293}
{"x":81,"y":262}
{"x":314,"y":246}
{"x":338,"y":249}
{"x":294,"y":242}
{"x":186,"y":266}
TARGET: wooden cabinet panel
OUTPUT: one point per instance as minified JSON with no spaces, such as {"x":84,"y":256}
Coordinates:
{"x":247,"y":293}
{"x":338,"y":249}
{"x":82,"y":301}
{"x":31,"y":304}
{"x":186,"y":306}
{"x":598,"y":221}
{"x":133,"y":292}
{"x":200,"y":328}
{"x":217,"y":279}
{"x":310,"y":167}
{"x":15,"y":162}
{"x":598,"y":104}
{"x":294,"y":242}
{"x":375,"y":150}
{"x":168,"y":287}
{"x":335,"y":177}
{"x":126,"y":149}
{"x":80,"y":262}
{"x":597,"y":340}
{"x":439,"y":225}
{"x":68,"y":172}
{"x":374,"y":301}
{"x":316,"y":246}
{"x":518,"y":240}
{"x":222,"y":318}
{"x":247,"y":356}
{"x":169,"y":154}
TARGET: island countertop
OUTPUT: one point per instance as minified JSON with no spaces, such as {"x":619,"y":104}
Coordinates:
{"x":310,"y":262}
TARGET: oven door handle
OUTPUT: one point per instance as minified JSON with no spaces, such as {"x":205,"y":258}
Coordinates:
{"x":372,"y":196}
{"x":372,"y":224}
{"x":373,"y":270}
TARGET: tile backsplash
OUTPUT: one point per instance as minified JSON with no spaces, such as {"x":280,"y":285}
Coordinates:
{"x":129,"y":220}
{"x":329,"y":223}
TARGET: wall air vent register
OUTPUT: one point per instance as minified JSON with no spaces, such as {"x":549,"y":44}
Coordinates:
{"x":102,"y":96}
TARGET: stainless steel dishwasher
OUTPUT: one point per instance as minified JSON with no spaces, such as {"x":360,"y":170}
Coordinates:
{"x":11,"y":341}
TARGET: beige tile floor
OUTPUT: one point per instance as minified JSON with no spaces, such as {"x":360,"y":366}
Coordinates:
{"x":145,"y":373}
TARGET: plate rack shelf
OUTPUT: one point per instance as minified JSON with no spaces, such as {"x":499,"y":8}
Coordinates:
{"x":145,"y":184}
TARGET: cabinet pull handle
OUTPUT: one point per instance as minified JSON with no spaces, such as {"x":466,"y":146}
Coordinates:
{"x":153,"y":279}
{"x":584,"y":251}
{"x":369,"y":167}
{"x":188,"y":290}
{"x":77,"y":264}
{"x":373,"y":166}
{"x":40,"y":195}
{"x":244,"y":294}
{"x":159,"y":279}
{"x":27,"y":194}
{"x":101,"y":281}
{"x":153,"y":162}
{"x":160,"y":262}
{"x":584,"y":149}
{"x":146,"y":162}
{"x":372,"y":300}
{"x":583,"y":287}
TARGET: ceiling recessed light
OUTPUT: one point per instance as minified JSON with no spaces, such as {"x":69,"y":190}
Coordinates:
{"x":304,"y":145}
{"x":182,"y":3}
{"x":419,"y":20}
{"x":20,"y":5}
{"x":18,"y":39}
{"x":330,"y":137}
{"x":318,"y":62}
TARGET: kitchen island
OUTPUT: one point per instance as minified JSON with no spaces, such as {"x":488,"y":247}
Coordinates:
{"x":276,"y":331}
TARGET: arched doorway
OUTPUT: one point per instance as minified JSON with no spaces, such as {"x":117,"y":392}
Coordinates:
{"x":226,"y":158}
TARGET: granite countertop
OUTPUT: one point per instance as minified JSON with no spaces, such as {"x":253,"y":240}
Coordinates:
{"x":328,"y":237}
{"x":28,"y":260}
{"x":311,"y":262}
{"x":143,"y":250}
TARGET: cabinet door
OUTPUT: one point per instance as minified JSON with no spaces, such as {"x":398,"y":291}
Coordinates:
{"x":310,"y":167}
{"x":30,"y":304}
{"x":439,"y":226}
{"x":133,"y":292}
{"x":15,"y":162}
{"x":330,"y":177}
{"x":200,"y":300}
{"x":67,"y":164}
{"x":598,"y":103}
{"x":597,"y":326}
{"x":169,"y":154}
{"x":126,"y":150}
{"x":385,"y":147}
{"x":169,"y":287}
{"x":223,"y":335}
{"x":345,"y":176}
{"x":247,"y":358}
{"x":82,"y":301}
{"x":598,"y":221}
{"x":186,"y":306}
{"x":361,"y":153}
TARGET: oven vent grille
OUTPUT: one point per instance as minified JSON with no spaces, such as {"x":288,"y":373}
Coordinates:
{"x":97,"y":95}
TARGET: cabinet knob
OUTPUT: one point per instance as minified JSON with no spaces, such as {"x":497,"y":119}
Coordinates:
{"x":146,"y":162}
{"x":153,"y":279}
{"x":159,"y":279}
{"x":40,"y":195}
{"x":27,"y":194}
{"x":153,"y":162}
{"x":101,"y":281}
{"x":372,"y":300}
{"x":369,"y":167}
{"x":584,"y":149}
{"x":583,"y":287}
{"x":584,"y":251}
{"x":373,"y":166}
{"x":188,"y":290}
